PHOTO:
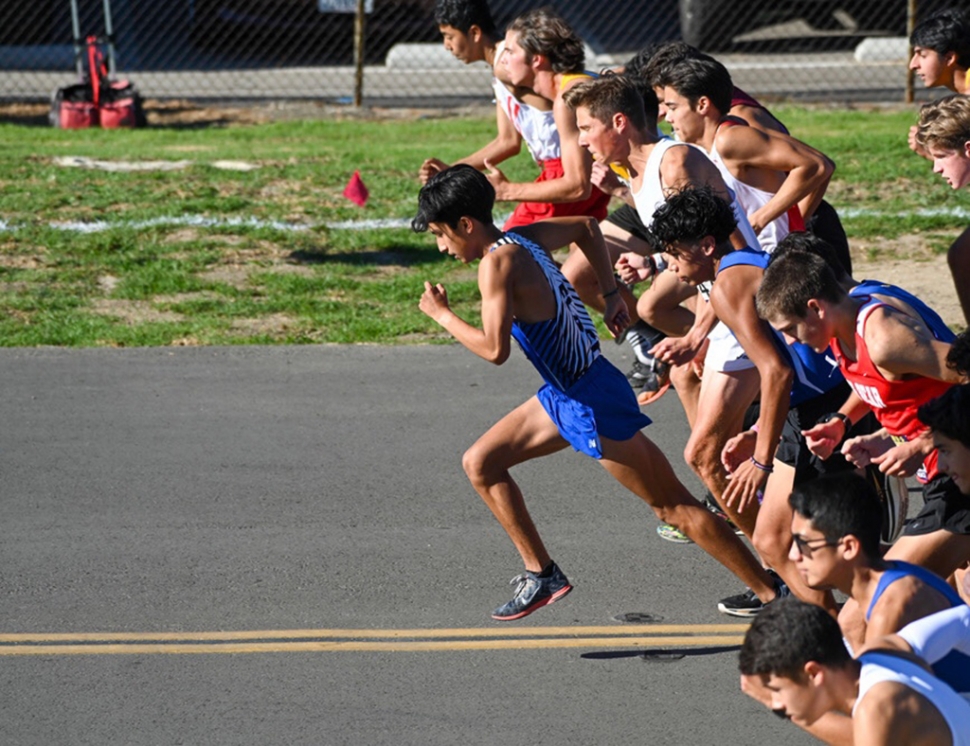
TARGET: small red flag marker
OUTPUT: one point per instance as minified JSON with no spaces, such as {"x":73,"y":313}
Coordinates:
{"x":355,"y":190}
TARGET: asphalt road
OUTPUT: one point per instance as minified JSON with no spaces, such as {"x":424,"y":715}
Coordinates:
{"x":215,"y":546}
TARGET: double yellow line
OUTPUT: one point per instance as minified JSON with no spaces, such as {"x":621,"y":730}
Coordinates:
{"x":653,"y":636}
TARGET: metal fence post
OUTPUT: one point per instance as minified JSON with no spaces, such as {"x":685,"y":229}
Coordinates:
{"x":359,"y":24}
{"x":910,"y":73}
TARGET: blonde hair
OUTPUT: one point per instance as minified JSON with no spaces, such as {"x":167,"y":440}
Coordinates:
{"x":945,"y":124}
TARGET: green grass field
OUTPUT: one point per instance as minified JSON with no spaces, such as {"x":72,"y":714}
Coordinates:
{"x":204,"y":255}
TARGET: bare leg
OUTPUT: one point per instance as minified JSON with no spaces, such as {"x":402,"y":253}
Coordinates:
{"x":958,"y":257}
{"x":723,"y":400}
{"x":939,"y":551}
{"x":646,"y":376}
{"x":643,"y":469}
{"x":525,"y":433}
{"x":688,"y":388}
{"x":773,"y":538}
{"x":660,"y":307}
{"x":580,"y":274}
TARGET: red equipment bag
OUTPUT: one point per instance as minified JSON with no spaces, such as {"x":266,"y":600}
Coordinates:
{"x":120,"y":106}
{"x":98,"y":99}
{"x":73,"y":107}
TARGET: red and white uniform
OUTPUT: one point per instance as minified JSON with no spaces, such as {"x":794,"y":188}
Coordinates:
{"x":894,"y":403}
{"x":538,"y":130}
{"x":537,"y":127}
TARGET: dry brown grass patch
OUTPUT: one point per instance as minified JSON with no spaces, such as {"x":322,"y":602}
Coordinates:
{"x":134,"y":312}
{"x":275,"y":325}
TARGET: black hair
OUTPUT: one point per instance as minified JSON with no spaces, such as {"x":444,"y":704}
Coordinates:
{"x":946,"y":30}
{"x":949,"y":414}
{"x":463,"y":14}
{"x":787,"y":634}
{"x":809,"y":243}
{"x":958,"y":358}
{"x":693,"y":77}
{"x":839,"y":505}
{"x":634,"y":71}
{"x":651,"y":105}
{"x":649,"y":63}
{"x":450,"y":195}
{"x":691,"y":215}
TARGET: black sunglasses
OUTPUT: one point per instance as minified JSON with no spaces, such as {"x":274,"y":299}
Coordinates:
{"x":807,"y":546}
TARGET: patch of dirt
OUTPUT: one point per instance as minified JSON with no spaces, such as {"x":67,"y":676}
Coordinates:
{"x":909,"y":246}
{"x":423,"y":338}
{"x":926,"y":276}
{"x":276,"y":325}
{"x":182,"y":235}
{"x":21,"y":261}
{"x":234,"y":276}
{"x":16,"y":288}
{"x":134,"y":312}
{"x":186,"y":342}
{"x":186,"y":297}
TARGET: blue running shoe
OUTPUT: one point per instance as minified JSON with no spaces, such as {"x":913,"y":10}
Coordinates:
{"x":533,"y":592}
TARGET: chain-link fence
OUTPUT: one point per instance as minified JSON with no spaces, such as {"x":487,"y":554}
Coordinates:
{"x":277,"y":49}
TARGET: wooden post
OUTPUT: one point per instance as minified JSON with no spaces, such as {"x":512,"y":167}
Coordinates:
{"x":910,"y":74}
{"x":359,"y":24}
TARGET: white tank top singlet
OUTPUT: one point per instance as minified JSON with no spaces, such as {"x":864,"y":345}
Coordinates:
{"x":878,"y":667}
{"x":537,"y":127}
{"x":751,"y":199}
{"x":651,"y":194}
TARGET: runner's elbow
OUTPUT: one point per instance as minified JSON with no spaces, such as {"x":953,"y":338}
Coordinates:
{"x":824,"y":170}
{"x":785,"y":376}
{"x":497,"y":355}
{"x":829,"y":166}
{"x":577,"y":191}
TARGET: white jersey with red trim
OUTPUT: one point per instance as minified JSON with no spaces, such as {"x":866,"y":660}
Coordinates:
{"x":537,"y":127}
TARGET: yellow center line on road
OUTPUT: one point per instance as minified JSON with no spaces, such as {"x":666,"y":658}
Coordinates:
{"x":368,"y":634}
{"x":364,"y":640}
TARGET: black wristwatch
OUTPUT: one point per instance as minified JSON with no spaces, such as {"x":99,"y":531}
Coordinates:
{"x":846,"y":422}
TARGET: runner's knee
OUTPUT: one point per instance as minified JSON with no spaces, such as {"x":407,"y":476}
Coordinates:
{"x":772,"y":544}
{"x":702,"y":456}
{"x":477,"y":464}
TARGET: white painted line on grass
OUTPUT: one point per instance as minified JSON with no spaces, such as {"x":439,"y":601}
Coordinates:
{"x":201,"y":221}
{"x":926,"y":212}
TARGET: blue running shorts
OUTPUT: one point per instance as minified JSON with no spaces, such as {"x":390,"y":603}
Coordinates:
{"x":601,"y":403}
